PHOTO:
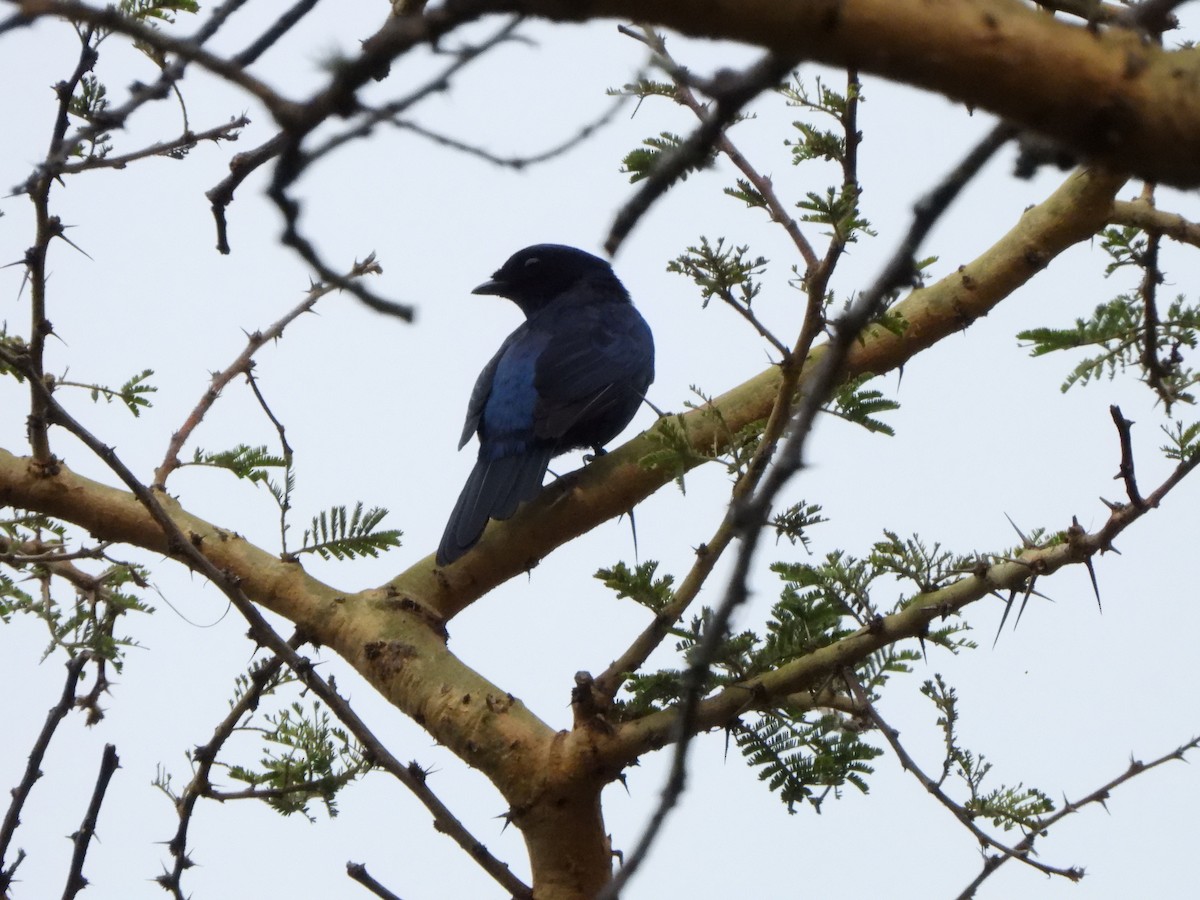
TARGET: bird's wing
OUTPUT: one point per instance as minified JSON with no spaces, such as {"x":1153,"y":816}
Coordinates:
{"x":591,"y":366}
{"x":483,"y":388}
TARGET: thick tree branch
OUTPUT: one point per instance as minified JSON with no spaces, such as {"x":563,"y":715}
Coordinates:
{"x":1106,"y":95}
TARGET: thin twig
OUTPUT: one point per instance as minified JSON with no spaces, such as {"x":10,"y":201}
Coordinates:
{"x":960,"y":812}
{"x":274,"y":33}
{"x":1100,"y":795}
{"x":1126,"y":472}
{"x":358,"y":871}
{"x":242,"y":366}
{"x":766,"y":188}
{"x":226,"y":132}
{"x":734,"y":93}
{"x":82,"y":839}
{"x":33,"y":768}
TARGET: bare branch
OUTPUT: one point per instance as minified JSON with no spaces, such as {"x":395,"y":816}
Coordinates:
{"x":109,"y":763}
{"x":33,"y":769}
{"x":1100,"y":795}
{"x":359,"y":873}
{"x":731,"y":95}
{"x":243,"y":364}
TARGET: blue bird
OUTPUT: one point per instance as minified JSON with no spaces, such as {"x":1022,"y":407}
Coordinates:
{"x":571,"y":376}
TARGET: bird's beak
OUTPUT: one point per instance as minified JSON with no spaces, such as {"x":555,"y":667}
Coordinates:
{"x":493,"y":286}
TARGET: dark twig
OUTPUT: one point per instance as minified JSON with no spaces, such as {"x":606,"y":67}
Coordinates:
{"x":960,"y":812}
{"x":278,"y":29}
{"x":437,"y":84}
{"x":1126,"y":472}
{"x":687,"y":97}
{"x":358,"y":871}
{"x":752,"y":511}
{"x":203,"y":759}
{"x":226,"y":132}
{"x":241,"y":166}
{"x":33,"y":769}
{"x":284,"y":495}
{"x":1152,"y":277}
{"x":732,"y":94}
{"x":109,"y":763}
{"x":512,"y":161}
{"x":1022,"y":850}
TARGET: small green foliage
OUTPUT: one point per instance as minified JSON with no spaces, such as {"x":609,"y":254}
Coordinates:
{"x":643,"y":88}
{"x":160,"y":10}
{"x":1184,"y":441}
{"x":797,"y":755}
{"x":133,"y":393}
{"x":651,"y":691}
{"x":720,"y":271}
{"x":815,"y":142}
{"x":1007,"y":807}
{"x":674,"y":452}
{"x":639,"y":163}
{"x":12,"y":599}
{"x":80,"y":609}
{"x":1125,"y":246}
{"x":792,"y":522}
{"x":1132,"y":330}
{"x":334,"y":535}
{"x":305,"y":758}
{"x":639,"y":584}
{"x":928,"y":567}
{"x":243,"y":461}
{"x":735,"y":449}
{"x":856,"y":404}
{"x":748,"y":194}
{"x":1118,"y":328}
{"x":815,"y":606}
{"x":1114,"y":325}
{"x":13,"y":347}
{"x":838,"y":209}
{"x":90,"y":99}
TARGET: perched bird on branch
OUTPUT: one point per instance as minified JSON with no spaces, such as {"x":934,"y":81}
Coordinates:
{"x":571,"y":376}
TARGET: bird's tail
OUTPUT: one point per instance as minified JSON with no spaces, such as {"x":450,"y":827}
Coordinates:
{"x":494,"y":490}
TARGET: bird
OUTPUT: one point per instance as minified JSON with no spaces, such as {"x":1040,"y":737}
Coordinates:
{"x":570,"y":377}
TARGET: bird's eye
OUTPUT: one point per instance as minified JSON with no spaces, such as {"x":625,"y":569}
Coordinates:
{"x":532,"y":261}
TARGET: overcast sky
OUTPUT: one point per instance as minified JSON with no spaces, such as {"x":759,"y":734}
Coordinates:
{"x":373,"y":408}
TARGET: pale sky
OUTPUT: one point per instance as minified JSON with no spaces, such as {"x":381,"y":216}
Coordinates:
{"x":373,"y":408}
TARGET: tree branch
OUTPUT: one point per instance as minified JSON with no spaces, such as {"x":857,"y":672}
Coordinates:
{"x":109,"y":763}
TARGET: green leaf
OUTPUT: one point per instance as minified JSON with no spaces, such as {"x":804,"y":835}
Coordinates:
{"x":720,"y":271}
{"x":639,"y":584}
{"x":639,"y":163}
{"x":243,"y":461}
{"x":334,"y":535}
{"x":856,"y":404}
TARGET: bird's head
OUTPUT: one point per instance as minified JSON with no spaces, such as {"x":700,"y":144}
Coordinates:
{"x":533,"y":277}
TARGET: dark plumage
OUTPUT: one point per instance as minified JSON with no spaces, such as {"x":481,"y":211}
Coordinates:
{"x":571,"y":376}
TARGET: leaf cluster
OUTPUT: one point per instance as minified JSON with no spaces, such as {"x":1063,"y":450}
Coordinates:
{"x":336,"y":535}
{"x":80,"y":610}
{"x":802,"y":758}
{"x":305,"y":758}
{"x":719,"y":271}
{"x":1006,"y":806}
{"x":1130,"y":331}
